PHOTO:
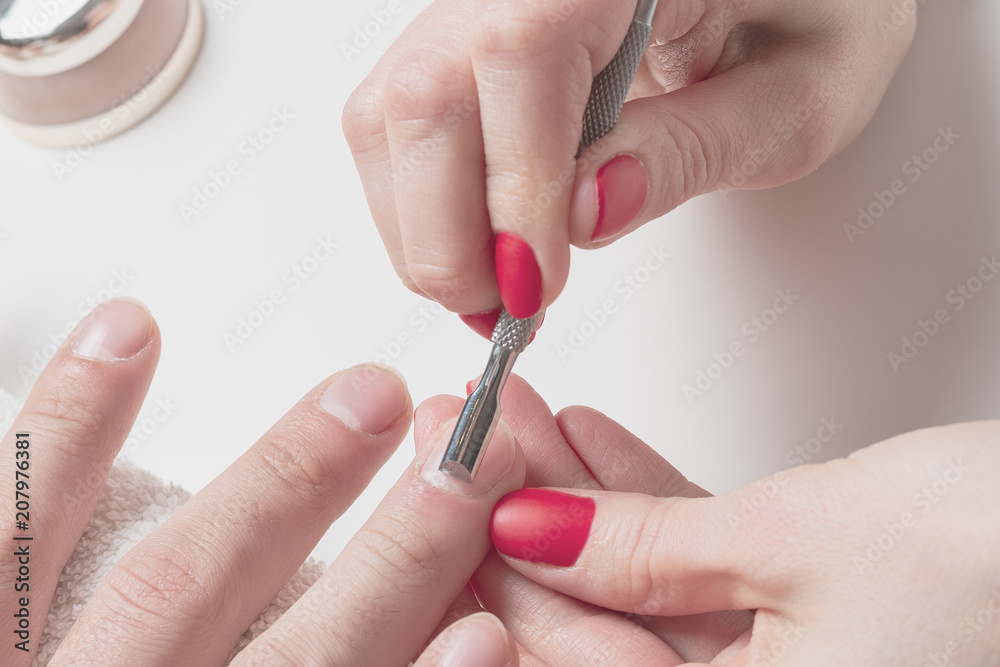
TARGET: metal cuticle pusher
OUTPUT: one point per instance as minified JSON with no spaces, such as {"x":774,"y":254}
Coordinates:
{"x":511,"y":336}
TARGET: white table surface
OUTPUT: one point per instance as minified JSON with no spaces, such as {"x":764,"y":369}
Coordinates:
{"x":114,"y":219}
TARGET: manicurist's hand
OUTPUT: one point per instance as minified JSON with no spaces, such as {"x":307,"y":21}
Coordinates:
{"x":465,"y":132}
{"x":185,"y":594}
{"x":888,"y":557}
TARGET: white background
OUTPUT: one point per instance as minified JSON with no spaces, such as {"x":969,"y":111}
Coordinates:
{"x":63,"y":239}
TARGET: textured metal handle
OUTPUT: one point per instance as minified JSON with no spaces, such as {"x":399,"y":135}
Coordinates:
{"x":482,"y":408}
{"x":607,"y":96}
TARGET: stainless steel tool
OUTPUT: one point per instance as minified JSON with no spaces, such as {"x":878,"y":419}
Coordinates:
{"x":511,"y":336}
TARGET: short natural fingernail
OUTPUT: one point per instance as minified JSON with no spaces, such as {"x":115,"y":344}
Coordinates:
{"x":518,"y":276}
{"x":479,"y":640}
{"x":482,"y":323}
{"x":368,"y":398}
{"x":498,"y":459}
{"x":115,"y":330}
{"x":621,"y":194}
{"x":542,"y":526}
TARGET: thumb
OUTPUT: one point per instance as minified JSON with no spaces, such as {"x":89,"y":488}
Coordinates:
{"x":635,"y":553}
{"x":479,"y":640}
{"x":762,"y":124}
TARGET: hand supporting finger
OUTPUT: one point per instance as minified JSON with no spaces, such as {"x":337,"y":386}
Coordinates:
{"x":631,"y":552}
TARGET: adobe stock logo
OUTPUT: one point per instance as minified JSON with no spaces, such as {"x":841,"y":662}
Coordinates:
{"x":913,"y":169}
{"x":958,"y":298}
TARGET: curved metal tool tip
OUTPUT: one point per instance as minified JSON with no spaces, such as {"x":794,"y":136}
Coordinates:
{"x":456,"y":470}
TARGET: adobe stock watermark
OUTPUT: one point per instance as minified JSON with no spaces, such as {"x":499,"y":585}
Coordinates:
{"x":149,"y":422}
{"x":751,"y":331}
{"x":366,"y":34}
{"x":246,"y":153}
{"x":913,"y":170}
{"x":956,"y":299}
{"x":123,"y":108}
{"x":802,"y":454}
{"x":224,"y":8}
{"x":754,"y":498}
{"x":783,"y":130}
{"x":778,"y":647}
{"x":38,"y":21}
{"x":760,"y":494}
{"x":572,"y":515}
{"x":291,"y":281}
{"x":115,"y":286}
{"x":624,"y":289}
{"x":418,"y":322}
{"x":967,"y":631}
{"x":923,"y":502}
{"x":902,"y":13}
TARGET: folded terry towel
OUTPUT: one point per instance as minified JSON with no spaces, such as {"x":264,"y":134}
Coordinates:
{"x":132,"y":504}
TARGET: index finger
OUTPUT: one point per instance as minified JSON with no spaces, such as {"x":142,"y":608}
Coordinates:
{"x":384,"y":596}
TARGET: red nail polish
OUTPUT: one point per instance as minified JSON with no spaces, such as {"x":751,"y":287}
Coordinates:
{"x":482,"y":323}
{"x":469,"y":387}
{"x":542,"y":526}
{"x":621,"y":193}
{"x":518,"y":276}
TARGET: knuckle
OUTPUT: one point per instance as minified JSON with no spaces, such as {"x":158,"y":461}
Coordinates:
{"x":165,"y":584}
{"x":511,"y":30}
{"x":364,"y":120}
{"x":304,"y":475}
{"x":427,"y":85}
{"x":694,"y":160}
{"x":402,"y":553}
{"x":644,"y":540}
{"x":67,"y":418}
{"x":447,"y":285}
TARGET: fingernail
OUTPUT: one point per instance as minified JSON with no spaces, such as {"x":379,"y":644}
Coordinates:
{"x":479,"y":640}
{"x":518,"y":276}
{"x":469,"y":387}
{"x":368,"y":398}
{"x":621,"y":193}
{"x":482,"y":323}
{"x":542,"y":526}
{"x":115,"y":330}
{"x":498,"y":460}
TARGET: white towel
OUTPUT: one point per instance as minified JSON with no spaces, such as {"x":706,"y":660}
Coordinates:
{"x":132,"y":504}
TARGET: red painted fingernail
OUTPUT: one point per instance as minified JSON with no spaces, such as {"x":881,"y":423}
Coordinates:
{"x":482,"y":323}
{"x":621,"y":193}
{"x":469,"y":386}
{"x":542,"y":526}
{"x":518,"y":276}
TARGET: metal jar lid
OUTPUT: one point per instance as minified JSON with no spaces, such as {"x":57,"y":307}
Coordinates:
{"x":45,"y":37}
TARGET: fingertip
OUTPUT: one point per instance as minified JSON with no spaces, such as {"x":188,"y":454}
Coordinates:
{"x":369,"y":399}
{"x":479,"y":640}
{"x":116,"y":330}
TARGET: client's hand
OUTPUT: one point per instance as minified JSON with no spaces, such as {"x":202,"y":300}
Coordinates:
{"x":185,"y":594}
{"x":582,"y":449}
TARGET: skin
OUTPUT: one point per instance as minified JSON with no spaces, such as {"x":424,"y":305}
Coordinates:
{"x":187,"y":591}
{"x":476,"y":111}
{"x":667,"y":575}
{"x":885,"y":557}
